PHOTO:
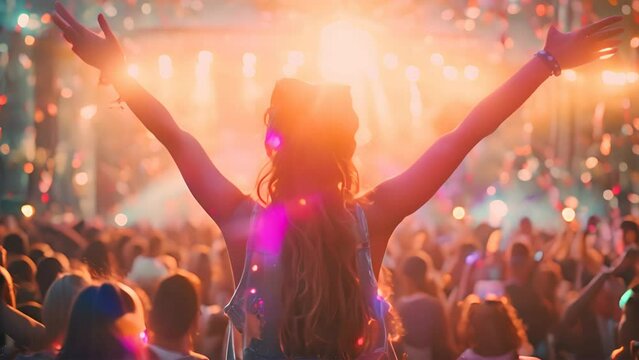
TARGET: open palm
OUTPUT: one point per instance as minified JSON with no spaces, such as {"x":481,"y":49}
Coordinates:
{"x":587,"y":44}
{"x":101,"y":52}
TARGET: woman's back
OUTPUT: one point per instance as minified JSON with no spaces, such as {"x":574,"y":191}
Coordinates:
{"x":256,"y":309}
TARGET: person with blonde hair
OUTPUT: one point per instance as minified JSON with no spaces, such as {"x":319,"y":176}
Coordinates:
{"x":309,"y":249}
{"x":490,"y":330}
{"x":56,"y":310}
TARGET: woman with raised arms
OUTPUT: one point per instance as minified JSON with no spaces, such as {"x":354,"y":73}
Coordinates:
{"x":308,"y":250}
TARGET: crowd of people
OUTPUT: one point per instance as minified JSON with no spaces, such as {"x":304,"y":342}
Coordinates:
{"x":458,"y":292}
{"x":103,"y":298}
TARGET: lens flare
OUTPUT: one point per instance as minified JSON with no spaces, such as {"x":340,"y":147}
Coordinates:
{"x":347,"y":52}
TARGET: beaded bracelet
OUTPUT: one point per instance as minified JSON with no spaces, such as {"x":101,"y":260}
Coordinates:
{"x":550,"y":61}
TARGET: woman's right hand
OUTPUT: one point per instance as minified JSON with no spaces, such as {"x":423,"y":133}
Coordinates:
{"x":587,"y":44}
{"x":100,"y":52}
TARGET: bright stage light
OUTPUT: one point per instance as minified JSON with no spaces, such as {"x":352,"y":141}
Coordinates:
{"x":23,"y":20}
{"x":571,"y":202}
{"x":146,"y":8}
{"x":613,"y":78}
{"x":165,"y":65}
{"x":469,"y":24}
{"x":346,"y":52}
{"x":592,"y":162}
{"x":28,"y":168}
{"x":437,"y":59}
{"x":570,"y":75}
{"x":121,"y":219}
{"x":296,"y":58}
{"x":66,"y":93}
{"x":471,"y":72}
{"x":494,"y":240}
{"x":524,"y":175}
{"x":412,"y":73}
{"x":608,"y":194}
{"x":128,"y":23}
{"x":513,"y":8}
{"x":391,"y":61}
{"x":289,"y":70}
{"x":497,"y":210}
{"x":606,"y":144}
{"x":110,"y":10}
{"x":81,"y":178}
{"x":133,"y":70}
{"x":568,"y":214}
{"x":27,"y":210}
{"x":450,"y":72}
{"x":448,"y":14}
{"x":473,"y":12}
{"x":459,"y":213}
{"x":29,"y":40}
{"x":249,"y":59}
{"x":248,"y":71}
{"x":586,"y":177}
{"x":623,"y":166}
{"x":88,"y":112}
{"x":605,"y":57}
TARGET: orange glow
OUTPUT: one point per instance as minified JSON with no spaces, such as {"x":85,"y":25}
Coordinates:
{"x":165,"y":65}
{"x":28,"y":168}
{"x":66,"y":92}
{"x":45,"y":18}
{"x":29,"y":40}
{"x":133,"y":70}
{"x":38,"y":116}
{"x":52,"y":109}
{"x":540,"y":10}
{"x":347,"y":52}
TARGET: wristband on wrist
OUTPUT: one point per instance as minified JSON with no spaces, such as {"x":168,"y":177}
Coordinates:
{"x":550,"y":61}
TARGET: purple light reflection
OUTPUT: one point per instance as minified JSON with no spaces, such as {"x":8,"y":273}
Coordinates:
{"x":273,"y":140}
{"x":270,"y":229}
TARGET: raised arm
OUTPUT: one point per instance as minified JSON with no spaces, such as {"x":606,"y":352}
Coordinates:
{"x":398,"y":197}
{"x":625,"y":266}
{"x":25,"y":331}
{"x":216,"y":194}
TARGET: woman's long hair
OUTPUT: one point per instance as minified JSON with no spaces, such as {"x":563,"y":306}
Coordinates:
{"x":311,"y":140}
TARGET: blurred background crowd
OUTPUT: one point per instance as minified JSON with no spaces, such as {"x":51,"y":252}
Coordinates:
{"x":457,"y":290}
